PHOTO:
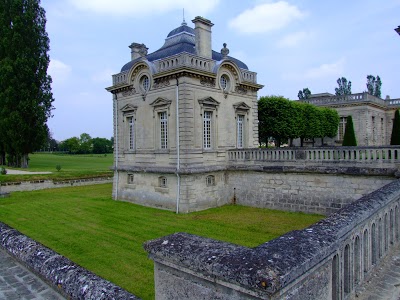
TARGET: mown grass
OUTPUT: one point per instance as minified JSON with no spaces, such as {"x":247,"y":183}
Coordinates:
{"x":72,"y":167}
{"x":106,"y":236}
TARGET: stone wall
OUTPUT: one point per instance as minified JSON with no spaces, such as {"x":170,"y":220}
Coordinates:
{"x":7,"y":187}
{"x":68,"y":278}
{"x":327,"y":260}
{"x":306,"y":192}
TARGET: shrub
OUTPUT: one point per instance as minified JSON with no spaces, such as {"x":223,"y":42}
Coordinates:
{"x":395,"y":138}
{"x":349,"y":138}
{"x":3,"y":171}
{"x":58,"y":167}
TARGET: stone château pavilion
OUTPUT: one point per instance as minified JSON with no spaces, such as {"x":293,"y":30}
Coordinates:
{"x":372,"y":117}
{"x":176,"y":113}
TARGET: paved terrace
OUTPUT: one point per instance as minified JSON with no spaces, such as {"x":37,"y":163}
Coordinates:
{"x":18,"y":283}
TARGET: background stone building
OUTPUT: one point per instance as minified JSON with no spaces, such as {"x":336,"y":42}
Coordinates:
{"x":176,"y":112}
{"x":372,"y":116}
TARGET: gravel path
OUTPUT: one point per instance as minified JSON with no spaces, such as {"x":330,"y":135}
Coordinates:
{"x":18,"y":172}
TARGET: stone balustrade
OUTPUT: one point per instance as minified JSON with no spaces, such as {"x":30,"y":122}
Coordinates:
{"x":387,"y":157}
{"x":249,"y":76}
{"x":120,"y":78}
{"x":184,"y":60}
{"x":353,"y":98}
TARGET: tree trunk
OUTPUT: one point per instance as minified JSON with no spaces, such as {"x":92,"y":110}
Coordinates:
{"x":301,"y":142}
{"x":25,"y":161}
{"x":2,"y":158}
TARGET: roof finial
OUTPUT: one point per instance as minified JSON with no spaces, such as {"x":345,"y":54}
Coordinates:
{"x":184,"y":22}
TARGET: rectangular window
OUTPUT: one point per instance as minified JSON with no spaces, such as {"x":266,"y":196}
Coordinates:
{"x":373,"y":131}
{"x":163,"y":130}
{"x":131,"y":133}
{"x":342,"y":127}
{"x":207,"y":129}
{"x":130,"y":178}
{"x":210,"y":180}
{"x":162,"y":181}
{"x":239,"y":130}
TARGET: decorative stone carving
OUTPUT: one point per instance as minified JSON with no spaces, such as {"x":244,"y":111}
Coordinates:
{"x":231,"y":69}
{"x":143,"y":50}
{"x":240,"y":90}
{"x":224,"y":51}
{"x":162,"y":83}
{"x":131,"y":91}
{"x":208,"y":82}
{"x":137,"y":70}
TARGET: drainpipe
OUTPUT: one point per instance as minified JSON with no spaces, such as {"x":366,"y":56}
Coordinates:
{"x":116,"y":148}
{"x":178,"y":187}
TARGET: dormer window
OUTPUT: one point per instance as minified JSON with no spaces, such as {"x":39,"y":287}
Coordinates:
{"x":145,"y":83}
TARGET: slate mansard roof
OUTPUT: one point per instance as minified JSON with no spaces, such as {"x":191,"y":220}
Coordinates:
{"x":181,"y":39}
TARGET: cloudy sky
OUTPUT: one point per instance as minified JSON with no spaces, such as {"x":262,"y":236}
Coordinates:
{"x":291,"y":44}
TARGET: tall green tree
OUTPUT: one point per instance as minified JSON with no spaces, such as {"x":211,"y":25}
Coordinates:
{"x":25,"y":88}
{"x":102,"y":145}
{"x":85,"y":143}
{"x":344,"y":87}
{"x":374,"y":86}
{"x":349,"y":138}
{"x":395,"y":138}
{"x":304,"y":94}
{"x":277,"y":119}
{"x":330,"y":123}
{"x":71,"y":145}
{"x":312,"y":122}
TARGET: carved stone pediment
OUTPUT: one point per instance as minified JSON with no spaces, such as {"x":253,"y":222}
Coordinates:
{"x":160,"y":102}
{"x":128,"y":108}
{"x":241,"y":106}
{"x":209,"y":102}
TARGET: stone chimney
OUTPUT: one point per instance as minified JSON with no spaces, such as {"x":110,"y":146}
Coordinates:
{"x":138,"y":50}
{"x":202,"y":31}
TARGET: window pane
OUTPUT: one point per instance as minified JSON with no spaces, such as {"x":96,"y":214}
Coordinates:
{"x":163,"y":130}
{"x":224,"y":82}
{"x":207,"y":130}
{"x":342,"y":126}
{"x":131,"y":134}
{"x":145,"y":83}
{"x":239,"y":133}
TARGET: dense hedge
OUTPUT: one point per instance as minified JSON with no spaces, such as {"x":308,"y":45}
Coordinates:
{"x":283,"y":120}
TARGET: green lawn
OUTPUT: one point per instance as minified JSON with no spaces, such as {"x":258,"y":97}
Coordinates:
{"x":106,"y":236}
{"x":72,"y":166}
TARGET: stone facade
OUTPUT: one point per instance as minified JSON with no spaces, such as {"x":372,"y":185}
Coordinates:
{"x":176,"y":113}
{"x":372,"y":117}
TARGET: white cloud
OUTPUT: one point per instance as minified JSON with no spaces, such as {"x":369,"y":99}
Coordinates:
{"x":326,"y":70}
{"x":294,"y":39}
{"x":141,"y":8}
{"x":59,"y":71}
{"x":266,"y":17}
{"x":103,"y":76}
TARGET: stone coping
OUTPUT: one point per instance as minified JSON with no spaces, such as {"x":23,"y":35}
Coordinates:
{"x":273,"y":265}
{"x":67,"y":181}
{"x":270,"y":167}
{"x":68,"y":278}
